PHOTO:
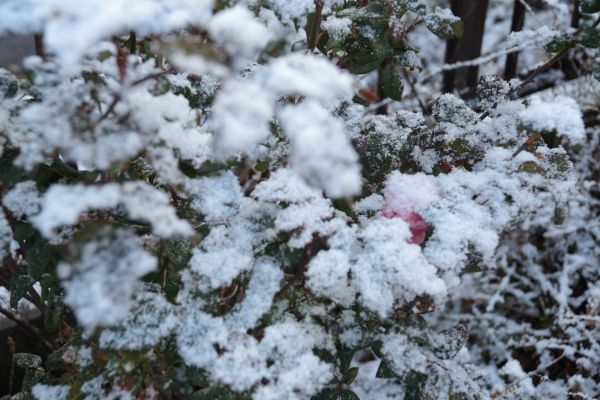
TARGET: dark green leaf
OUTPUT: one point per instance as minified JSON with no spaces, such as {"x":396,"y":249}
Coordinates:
{"x":414,"y":382}
{"x":18,"y":288}
{"x":384,"y":371}
{"x":596,"y":72}
{"x":26,"y":360}
{"x":362,"y":63}
{"x":345,"y":355}
{"x":348,"y":395}
{"x":408,"y":59}
{"x":350,"y":375}
{"x":326,"y":394}
{"x":40,"y":256}
{"x":9,"y":173}
{"x":560,"y":214}
{"x":54,"y":310}
{"x":590,"y":37}
{"x":444,"y":25}
{"x":391,"y":82}
{"x":560,"y":43}
{"x":33,"y":377}
{"x":23,"y":231}
{"x":590,"y":6}
{"x":214,"y":393}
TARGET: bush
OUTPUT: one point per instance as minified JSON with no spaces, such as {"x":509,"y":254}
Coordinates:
{"x":232,"y":200}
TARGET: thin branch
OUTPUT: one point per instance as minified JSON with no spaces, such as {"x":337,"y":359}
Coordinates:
{"x":315,"y":27}
{"x":109,"y":110}
{"x":26,"y":326}
{"x":530,"y":11}
{"x":539,"y":70}
{"x":38,"y":41}
{"x":414,"y":90}
{"x":474,"y":62}
{"x":132,"y":42}
{"x":151,"y":76}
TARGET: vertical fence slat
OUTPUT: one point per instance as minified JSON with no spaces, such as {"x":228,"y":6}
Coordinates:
{"x":518,"y":20}
{"x":473,"y":14}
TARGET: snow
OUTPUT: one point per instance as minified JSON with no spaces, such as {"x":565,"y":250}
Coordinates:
{"x":150,"y":319}
{"x":289,"y":10}
{"x":320,"y":150}
{"x":48,"y":392}
{"x":5,"y":235}
{"x":310,"y":76}
{"x":264,"y":284}
{"x":100,"y":284}
{"x":22,"y":200}
{"x":217,"y":198}
{"x":328,"y":275}
{"x":229,"y":159}
{"x":63,"y":205}
{"x":94,"y":20}
{"x":241,"y":115}
{"x":338,"y":28}
{"x":239,"y":33}
{"x":562,"y":115}
{"x":389,"y":270}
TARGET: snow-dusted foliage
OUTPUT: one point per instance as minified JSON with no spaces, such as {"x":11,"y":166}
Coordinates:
{"x":238,"y":200}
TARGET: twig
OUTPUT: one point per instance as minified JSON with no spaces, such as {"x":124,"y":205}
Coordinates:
{"x":376,"y":106}
{"x":476,"y":61}
{"x":12,"y":348}
{"x":542,"y":68}
{"x":414,"y":90}
{"x":530,"y":11}
{"x":150,"y":76}
{"x":26,"y":326}
{"x":132,"y":43}
{"x":312,"y":43}
{"x":38,"y":41}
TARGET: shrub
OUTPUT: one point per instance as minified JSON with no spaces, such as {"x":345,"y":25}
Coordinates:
{"x":229,"y":200}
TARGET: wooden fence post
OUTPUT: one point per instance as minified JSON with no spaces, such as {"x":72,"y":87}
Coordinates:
{"x":518,"y":19}
{"x":473,"y":15}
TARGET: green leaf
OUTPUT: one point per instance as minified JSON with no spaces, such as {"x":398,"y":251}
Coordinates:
{"x":350,"y":375}
{"x":596,"y":72}
{"x":414,"y":382}
{"x":326,"y":394}
{"x":9,"y":173}
{"x":348,"y":395}
{"x":590,"y":6}
{"x":391,"y":82}
{"x":408,"y":59}
{"x":362,"y":62}
{"x":375,"y":157}
{"x":590,"y":37}
{"x":444,"y":24}
{"x":54,"y":310}
{"x":33,"y":377}
{"x":345,"y":355}
{"x":214,"y":393}
{"x":373,"y":13}
{"x":384,"y":371}
{"x":27,"y":360}
{"x":23,"y":231}
{"x":560,"y":214}
{"x":560,"y":43}
{"x":40,"y":256}
{"x":18,"y":288}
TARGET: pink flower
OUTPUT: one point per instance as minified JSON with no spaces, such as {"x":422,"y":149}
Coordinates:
{"x":404,"y":196}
